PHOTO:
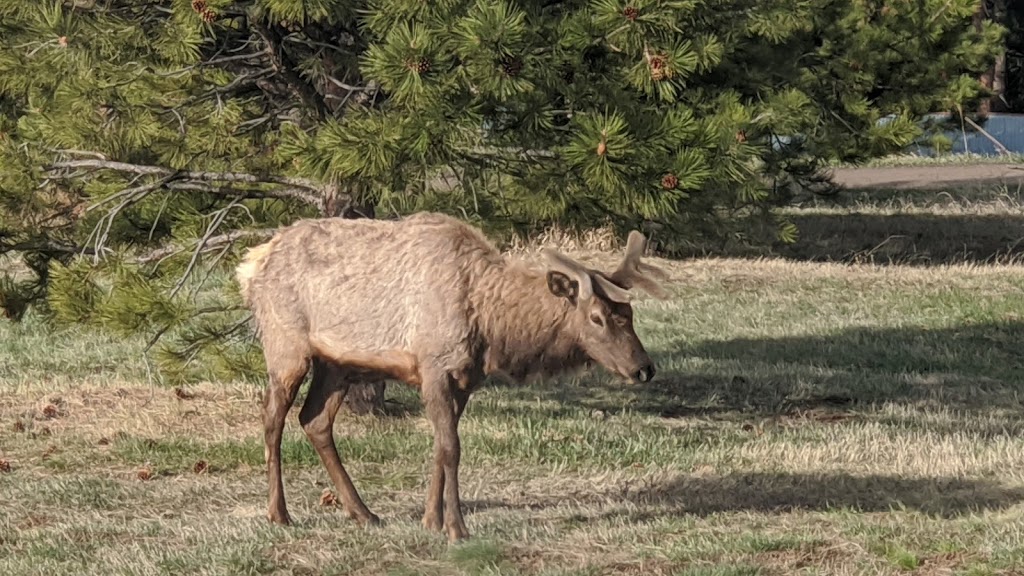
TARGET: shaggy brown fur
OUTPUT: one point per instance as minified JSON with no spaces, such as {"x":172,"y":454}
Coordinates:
{"x":429,"y":301}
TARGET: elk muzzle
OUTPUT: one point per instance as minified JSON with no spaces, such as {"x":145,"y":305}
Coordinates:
{"x":645,"y":374}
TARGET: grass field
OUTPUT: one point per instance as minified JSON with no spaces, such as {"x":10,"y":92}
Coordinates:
{"x":809,"y":418}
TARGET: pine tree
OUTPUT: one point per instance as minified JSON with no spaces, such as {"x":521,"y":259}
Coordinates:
{"x":143,"y":144}
{"x":1014,"y":57}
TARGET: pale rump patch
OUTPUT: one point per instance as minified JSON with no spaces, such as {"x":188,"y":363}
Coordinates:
{"x":251,"y":266}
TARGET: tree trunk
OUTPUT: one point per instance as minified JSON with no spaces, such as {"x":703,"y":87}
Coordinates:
{"x":365,"y":397}
{"x":999,"y":102}
{"x":994,"y":79}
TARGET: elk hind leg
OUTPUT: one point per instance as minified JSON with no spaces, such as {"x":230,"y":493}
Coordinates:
{"x":326,"y":394}
{"x":286,"y":368}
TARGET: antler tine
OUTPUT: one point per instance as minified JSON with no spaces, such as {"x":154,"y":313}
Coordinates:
{"x":634,"y":273}
{"x":635,"y":244}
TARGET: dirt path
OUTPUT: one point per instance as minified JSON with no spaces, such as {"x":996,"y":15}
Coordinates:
{"x":923,"y":177}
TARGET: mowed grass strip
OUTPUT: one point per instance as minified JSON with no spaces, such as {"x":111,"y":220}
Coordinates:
{"x":807,"y":418}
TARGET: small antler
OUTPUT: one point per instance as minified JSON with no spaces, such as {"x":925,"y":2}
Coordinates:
{"x":632,"y":272}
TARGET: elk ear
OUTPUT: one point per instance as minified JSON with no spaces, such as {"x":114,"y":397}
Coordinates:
{"x":562,"y":286}
{"x":577,"y":276}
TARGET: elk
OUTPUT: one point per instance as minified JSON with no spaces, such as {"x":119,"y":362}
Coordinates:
{"x":426,"y":300}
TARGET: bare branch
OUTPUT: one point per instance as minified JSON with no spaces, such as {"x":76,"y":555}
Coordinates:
{"x":129,"y":196}
{"x":91,"y":154}
{"x":212,"y":243}
{"x":235,"y":185}
{"x":218,"y":219}
{"x":340,"y":84}
{"x":302,"y":189}
{"x":290,"y":192}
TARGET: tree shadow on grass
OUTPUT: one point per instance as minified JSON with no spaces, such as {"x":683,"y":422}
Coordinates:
{"x":973,"y":368}
{"x":781,"y":493}
{"x":906,"y":239}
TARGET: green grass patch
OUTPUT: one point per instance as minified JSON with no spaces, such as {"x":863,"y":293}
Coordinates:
{"x":806,"y":419}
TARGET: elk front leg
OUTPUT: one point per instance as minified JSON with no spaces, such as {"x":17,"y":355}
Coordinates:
{"x":433,"y":514}
{"x":442,"y":409}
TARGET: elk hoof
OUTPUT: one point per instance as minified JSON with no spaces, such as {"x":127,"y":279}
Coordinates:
{"x":371,"y":520}
{"x":432,"y":522}
{"x":457,"y":534}
{"x":279,"y":517}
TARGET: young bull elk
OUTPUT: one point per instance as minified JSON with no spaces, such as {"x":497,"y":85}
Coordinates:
{"x":429,"y":301}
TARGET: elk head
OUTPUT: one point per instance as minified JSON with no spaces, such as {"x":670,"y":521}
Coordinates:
{"x":603,"y":317}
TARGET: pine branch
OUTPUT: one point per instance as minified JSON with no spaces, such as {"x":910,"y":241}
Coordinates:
{"x":215,"y":61}
{"x":284,"y":67}
{"x":46,"y":245}
{"x":239,"y":85}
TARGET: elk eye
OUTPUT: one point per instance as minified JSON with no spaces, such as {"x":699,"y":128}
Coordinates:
{"x":596,"y":319}
{"x":620,"y":322}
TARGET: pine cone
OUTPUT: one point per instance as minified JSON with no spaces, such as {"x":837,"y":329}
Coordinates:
{"x":209,"y":16}
{"x":511,"y":66}
{"x":741,"y":136}
{"x":659,"y":67}
{"x":669,"y":181}
{"x":601,"y":148}
{"x":419,"y":66}
{"x":199,"y":6}
{"x":631,"y":13}
{"x":182,"y":394}
{"x":327,"y":498}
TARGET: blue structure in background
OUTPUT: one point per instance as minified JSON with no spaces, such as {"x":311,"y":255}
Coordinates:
{"x":1008,"y":129}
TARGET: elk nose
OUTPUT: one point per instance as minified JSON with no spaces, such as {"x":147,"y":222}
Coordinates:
{"x":646,"y":374}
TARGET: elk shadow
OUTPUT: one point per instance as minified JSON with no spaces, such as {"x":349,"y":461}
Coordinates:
{"x":777,"y":493}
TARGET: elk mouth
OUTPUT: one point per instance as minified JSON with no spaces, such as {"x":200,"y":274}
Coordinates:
{"x":645,"y":374}
{"x":641,"y":375}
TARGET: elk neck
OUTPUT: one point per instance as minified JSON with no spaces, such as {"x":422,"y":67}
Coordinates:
{"x":526,"y":330}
